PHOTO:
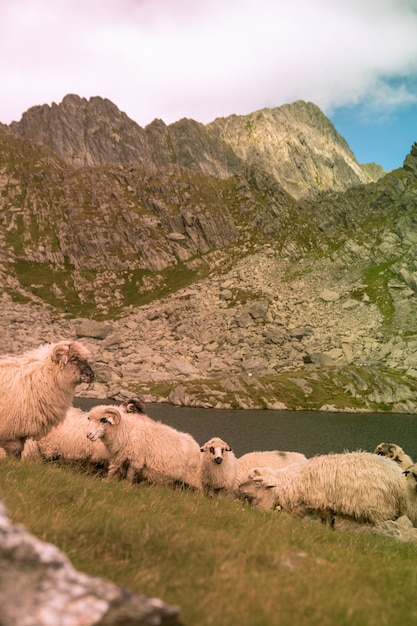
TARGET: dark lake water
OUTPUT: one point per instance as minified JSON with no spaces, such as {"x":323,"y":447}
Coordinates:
{"x":310,"y":432}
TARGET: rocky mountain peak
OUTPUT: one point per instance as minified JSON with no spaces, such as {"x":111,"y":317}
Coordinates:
{"x":296,"y":143}
{"x":410,"y":161}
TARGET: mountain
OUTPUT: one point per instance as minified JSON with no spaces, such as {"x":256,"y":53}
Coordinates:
{"x":248,"y":262}
{"x":296,"y":143}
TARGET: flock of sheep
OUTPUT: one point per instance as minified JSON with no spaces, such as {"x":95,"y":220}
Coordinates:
{"x":37,"y":420}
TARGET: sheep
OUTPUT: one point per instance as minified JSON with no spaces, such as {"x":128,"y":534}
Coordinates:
{"x":155,"y":452}
{"x":68,"y":440}
{"x":222,"y":471}
{"x":218,"y":466}
{"x":269,"y":458}
{"x":394,"y":452}
{"x":411,"y":485}
{"x":359,"y":486}
{"x":37,"y":390}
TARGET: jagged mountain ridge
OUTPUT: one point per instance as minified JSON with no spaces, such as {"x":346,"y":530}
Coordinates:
{"x":296,"y":143}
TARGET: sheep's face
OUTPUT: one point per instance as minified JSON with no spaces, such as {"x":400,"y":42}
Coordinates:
{"x":100,"y":420}
{"x":72,"y":357}
{"x":390,"y":450}
{"x":216,"y":449}
{"x":82,"y":370}
{"x":258,"y":493}
{"x":411,"y":476}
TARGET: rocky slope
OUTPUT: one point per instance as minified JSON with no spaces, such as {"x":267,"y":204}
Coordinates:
{"x":213,"y":290}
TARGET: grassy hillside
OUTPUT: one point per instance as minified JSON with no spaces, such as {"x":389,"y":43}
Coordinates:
{"x":220,"y":561}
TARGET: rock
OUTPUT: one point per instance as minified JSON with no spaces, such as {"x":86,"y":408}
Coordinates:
{"x":91,"y":328}
{"x":329,"y":296}
{"x":176,"y":237}
{"x":40,"y":587}
{"x":182,"y":368}
{"x":225,"y":294}
{"x":318,"y":358}
{"x":410,"y":161}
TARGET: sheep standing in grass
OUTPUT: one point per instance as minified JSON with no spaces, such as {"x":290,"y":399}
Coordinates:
{"x":359,"y":486}
{"x":218,"y":466}
{"x":394,"y":452}
{"x":153,"y":451}
{"x":37,"y":389}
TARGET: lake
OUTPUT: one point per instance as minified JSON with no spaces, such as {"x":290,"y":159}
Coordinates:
{"x":309,"y":432}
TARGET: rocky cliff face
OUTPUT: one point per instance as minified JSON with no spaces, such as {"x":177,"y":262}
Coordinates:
{"x":296,"y":144}
{"x":212,"y":289}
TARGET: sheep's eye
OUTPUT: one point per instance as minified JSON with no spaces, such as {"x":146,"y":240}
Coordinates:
{"x":103,"y":420}
{"x":211,"y":450}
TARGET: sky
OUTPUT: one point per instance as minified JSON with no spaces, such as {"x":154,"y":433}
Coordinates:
{"x":203,"y":59}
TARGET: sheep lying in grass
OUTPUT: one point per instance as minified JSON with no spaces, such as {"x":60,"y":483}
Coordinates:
{"x":359,"y":486}
{"x":394,"y":452}
{"x":222,"y":471}
{"x":411,"y":481}
{"x":218,"y":466}
{"x":68,"y":441}
{"x":37,"y":390}
{"x":274,"y":459}
{"x":153,"y":451}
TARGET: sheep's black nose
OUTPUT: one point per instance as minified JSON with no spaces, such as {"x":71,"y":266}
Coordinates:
{"x":87,"y":374}
{"x":218,"y":460}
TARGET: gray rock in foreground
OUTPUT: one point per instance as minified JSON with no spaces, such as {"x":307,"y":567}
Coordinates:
{"x":40,"y":587}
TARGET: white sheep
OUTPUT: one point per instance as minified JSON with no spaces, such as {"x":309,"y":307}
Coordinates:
{"x":218,"y":466}
{"x":222,"y":471}
{"x":153,"y":451}
{"x":68,"y":440}
{"x":37,"y":389}
{"x":411,"y":482}
{"x":358,"y":486}
{"x":274,"y":459}
{"x":394,"y":452}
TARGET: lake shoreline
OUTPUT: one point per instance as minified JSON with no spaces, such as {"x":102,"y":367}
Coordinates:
{"x":306,"y":431}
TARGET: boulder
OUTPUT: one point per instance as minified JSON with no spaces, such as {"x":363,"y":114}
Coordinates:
{"x":40,"y":587}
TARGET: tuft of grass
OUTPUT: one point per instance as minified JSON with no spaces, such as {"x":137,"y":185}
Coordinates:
{"x":216,"y":558}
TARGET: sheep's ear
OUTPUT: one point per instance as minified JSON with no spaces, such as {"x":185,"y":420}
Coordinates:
{"x":60,"y":353}
{"x":113,"y":416}
{"x":228,"y":449}
{"x":202,"y":449}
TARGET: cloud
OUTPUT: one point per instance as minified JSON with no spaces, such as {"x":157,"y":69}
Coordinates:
{"x":192,"y":58}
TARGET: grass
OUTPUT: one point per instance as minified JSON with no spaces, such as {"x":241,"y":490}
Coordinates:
{"x":220,"y":561}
